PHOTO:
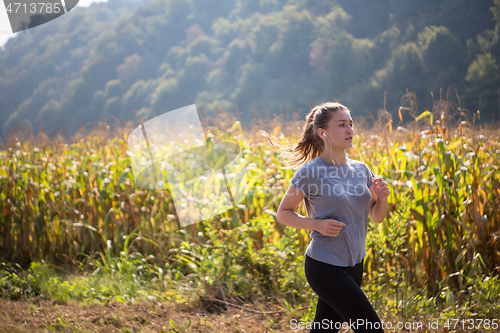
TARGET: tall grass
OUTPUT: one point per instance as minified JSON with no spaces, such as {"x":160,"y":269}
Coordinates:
{"x":76,"y":203}
{"x":448,"y":167}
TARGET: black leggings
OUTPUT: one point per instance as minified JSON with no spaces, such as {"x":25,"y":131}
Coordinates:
{"x":340,"y":298}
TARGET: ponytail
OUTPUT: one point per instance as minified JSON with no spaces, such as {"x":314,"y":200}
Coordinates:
{"x":310,"y":145}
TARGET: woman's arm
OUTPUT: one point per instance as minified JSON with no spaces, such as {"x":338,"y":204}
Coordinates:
{"x":380,"y":192}
{"x":286,"y":215}
{"x":286,"y":211}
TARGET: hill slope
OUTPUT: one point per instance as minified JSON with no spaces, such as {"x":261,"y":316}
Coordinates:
{"x":132,"y":59}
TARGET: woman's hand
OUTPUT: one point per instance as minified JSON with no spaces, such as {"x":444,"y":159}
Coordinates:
{"x":381,"y":188}
{"x":329,"y":227}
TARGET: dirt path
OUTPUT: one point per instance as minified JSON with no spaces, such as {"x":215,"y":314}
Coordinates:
{"x":48,"y":316}
{"x":28,"y":316}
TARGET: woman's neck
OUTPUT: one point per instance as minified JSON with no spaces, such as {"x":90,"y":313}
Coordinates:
{"x":338,"y":156}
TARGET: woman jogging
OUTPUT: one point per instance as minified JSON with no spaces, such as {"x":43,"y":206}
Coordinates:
{"x":339,"y":194}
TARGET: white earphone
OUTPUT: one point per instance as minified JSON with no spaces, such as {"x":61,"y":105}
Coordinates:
{"x":325,"y":135}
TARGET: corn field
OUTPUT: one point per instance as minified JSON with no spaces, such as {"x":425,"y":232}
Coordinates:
{"x":65,"y":202}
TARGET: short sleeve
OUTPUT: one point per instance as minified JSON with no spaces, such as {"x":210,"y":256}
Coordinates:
{"x":370,"y":175}
{"x":301,"y":180}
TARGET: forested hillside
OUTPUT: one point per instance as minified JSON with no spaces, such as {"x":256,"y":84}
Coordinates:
{"x":154,"y":56}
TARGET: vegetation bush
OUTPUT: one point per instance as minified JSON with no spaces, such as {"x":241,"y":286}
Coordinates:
{"x":76,"y":204}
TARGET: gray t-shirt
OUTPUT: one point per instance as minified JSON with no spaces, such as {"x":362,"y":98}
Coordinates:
{"x":339,"y":192}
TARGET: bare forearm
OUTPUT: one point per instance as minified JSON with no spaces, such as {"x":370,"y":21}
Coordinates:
{"x":379,"y":210}
{"x":295,"y":220}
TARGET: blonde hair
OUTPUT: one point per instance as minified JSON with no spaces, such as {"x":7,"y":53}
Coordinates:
{"x":310,"y":145}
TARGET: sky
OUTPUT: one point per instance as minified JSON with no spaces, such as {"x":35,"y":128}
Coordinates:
{"x":5,"y":36}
